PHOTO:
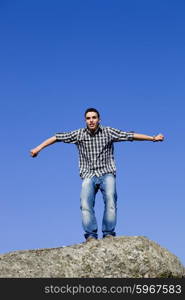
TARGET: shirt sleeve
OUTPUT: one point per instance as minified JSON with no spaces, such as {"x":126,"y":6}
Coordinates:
{"x":67,"y":137}
{"x":119,"y":135}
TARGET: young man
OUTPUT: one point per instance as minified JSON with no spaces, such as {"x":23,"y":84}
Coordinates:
{"x":97,"y":168}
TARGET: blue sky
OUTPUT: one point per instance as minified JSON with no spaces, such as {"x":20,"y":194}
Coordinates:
{"x":125,"y":58}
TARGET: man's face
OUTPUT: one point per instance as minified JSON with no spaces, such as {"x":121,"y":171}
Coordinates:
{"x":92,"y":120}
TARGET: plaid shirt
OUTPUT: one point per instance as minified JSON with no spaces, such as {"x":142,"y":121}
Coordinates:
{"x":96,"y":151}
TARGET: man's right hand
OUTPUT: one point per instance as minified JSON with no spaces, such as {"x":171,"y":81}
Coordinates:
{"x":34,"y":152}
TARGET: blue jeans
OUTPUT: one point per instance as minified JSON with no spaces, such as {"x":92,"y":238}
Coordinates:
{"x":107,"y":185}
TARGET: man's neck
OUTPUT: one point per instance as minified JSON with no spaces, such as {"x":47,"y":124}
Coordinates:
{"x":93,"y":131}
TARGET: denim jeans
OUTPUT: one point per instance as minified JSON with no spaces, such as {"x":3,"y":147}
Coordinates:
{"x":90,"y":186}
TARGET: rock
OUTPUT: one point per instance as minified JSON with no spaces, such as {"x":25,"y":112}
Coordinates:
{"x":117,"y":257}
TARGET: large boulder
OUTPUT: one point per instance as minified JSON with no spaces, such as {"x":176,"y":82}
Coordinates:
{"x":118,"y":257}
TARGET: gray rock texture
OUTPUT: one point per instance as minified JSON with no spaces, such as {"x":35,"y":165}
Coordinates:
{"x":117,"y":257}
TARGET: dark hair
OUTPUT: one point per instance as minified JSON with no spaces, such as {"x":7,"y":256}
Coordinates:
{"x":91,"y":109}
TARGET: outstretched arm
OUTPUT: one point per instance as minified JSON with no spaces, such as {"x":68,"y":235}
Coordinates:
{"x":144,"y":137}
{"x":34,"y":152}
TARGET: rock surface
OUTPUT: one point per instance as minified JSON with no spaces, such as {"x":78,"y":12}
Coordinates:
{"x":118,"y":257}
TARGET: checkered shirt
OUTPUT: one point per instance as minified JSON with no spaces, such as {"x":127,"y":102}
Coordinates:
{"x":96,"y":151}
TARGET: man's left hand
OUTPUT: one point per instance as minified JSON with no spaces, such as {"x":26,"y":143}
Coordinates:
{"x":158,"y":138}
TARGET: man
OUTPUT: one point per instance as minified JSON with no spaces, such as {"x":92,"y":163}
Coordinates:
{"x":97,"y":168}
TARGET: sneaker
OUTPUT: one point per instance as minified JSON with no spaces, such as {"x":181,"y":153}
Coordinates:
{"x":108,"y":236}
{"x":90,"y":239}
